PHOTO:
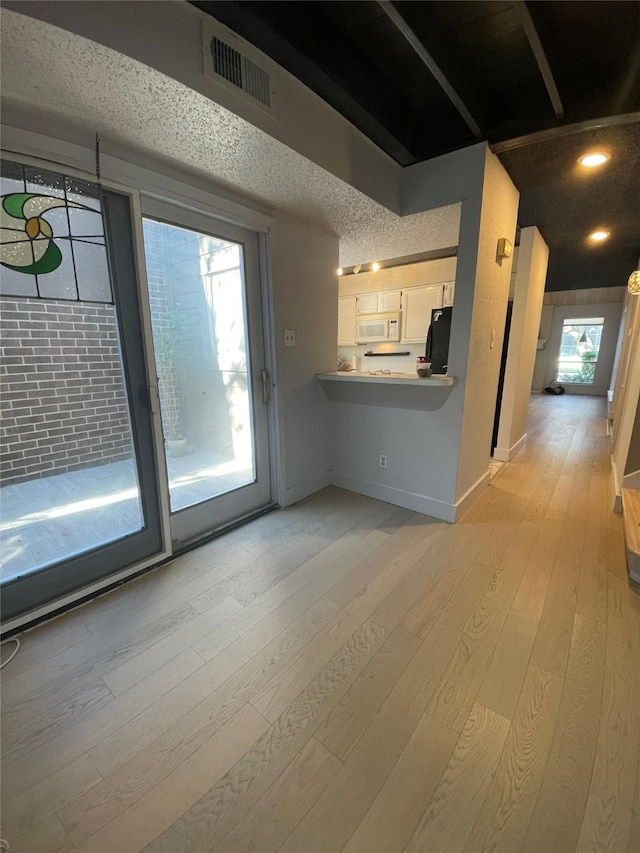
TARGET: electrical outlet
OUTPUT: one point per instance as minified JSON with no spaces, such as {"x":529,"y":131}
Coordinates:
{"x":289,"y":338}
{"x":383,"y":460}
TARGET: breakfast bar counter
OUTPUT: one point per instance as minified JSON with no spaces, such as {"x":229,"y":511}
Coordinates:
{"x":392,"y":390}
{"x":438,"y":380}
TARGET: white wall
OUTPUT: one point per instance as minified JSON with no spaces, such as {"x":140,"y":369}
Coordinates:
{"x":166,"y":35}
{"x":420,"y":445}
{"x":305,"y":290}
{"x":528,"y":294}
{"x":611,"y":313}
{"x":438,"y":450}
{"x":626,"y":401}
{"x":540,"y":365}
{"x":633,"y":455}
{"x":485,"y":283}
{"x":443,"y":180}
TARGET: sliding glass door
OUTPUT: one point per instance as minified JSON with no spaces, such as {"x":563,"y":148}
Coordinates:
{"x":205,"y":300}
{"x":78,"y":488}
{"x":82,"y":472}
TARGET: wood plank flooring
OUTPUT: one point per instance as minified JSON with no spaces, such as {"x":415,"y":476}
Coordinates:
{"x":345,"y":675}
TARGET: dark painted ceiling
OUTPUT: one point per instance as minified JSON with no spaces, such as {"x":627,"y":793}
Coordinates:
{"x":540,"y":81}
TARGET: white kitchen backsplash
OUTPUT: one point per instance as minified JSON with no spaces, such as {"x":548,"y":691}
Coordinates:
{"x":396,"y":364}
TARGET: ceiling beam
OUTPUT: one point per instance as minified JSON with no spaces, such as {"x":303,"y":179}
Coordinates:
{"x":540,"y":56}
{"x":403,"y":27}
{"x":566,"y":130}
{"x":308,"y":66}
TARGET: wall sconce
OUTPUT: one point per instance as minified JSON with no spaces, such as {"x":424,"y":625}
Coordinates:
{"x":505,"y":248}
{"x":633,"y":284}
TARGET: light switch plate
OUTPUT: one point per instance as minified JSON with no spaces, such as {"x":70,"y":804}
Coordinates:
{"x":289,"y":338}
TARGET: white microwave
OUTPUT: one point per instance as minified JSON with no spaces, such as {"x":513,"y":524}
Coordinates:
{"x":378,"y":327}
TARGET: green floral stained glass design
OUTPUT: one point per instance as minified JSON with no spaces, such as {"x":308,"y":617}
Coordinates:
{"x":45,"y":220}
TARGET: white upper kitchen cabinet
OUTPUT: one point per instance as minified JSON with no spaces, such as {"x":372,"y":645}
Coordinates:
{"x":367,"y":303}
{"x":390,"y":300}
{"x":418,"y":302}
{"x":379,"y":303}
{"x":346,"y":321}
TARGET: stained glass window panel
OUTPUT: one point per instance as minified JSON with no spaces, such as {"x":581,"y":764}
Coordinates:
{"x":58,"y":220}
{"x":61,"y":282}
{"x":52,"y":241}
{"x":85,"y":223}
{"x":16,"y":251}
{"x":16,"y":283}
{"x":11,"y":178}
{"x":83,"y":193}
{"x":92,"y":272}
{"x":43,"y":183}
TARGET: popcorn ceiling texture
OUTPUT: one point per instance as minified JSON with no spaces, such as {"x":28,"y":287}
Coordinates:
{"x":130,"y":104}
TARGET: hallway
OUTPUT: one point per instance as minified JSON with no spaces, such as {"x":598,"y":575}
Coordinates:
{"x":348,"y":675}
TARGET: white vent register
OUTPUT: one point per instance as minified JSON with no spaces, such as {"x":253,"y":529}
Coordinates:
{"x":226,"y":61}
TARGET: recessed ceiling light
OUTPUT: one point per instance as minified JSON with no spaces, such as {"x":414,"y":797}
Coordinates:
{"x":599,"y":236}
{"x":339,"y":270}
{"x":375,"y":266}
{"x":594,"y":158}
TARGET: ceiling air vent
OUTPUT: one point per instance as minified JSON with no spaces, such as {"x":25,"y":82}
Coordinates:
{"x":233,"y":68}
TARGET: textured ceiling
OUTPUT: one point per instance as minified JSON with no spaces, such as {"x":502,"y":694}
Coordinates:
{"x":130,"y":104}
{"x":567,"y":202}
{"x":396,"y":69}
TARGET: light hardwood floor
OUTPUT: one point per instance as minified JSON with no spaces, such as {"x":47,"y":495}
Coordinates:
{"x":347,"y":675}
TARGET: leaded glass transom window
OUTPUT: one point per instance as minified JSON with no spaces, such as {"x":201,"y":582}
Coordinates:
{"x":52,"y":239}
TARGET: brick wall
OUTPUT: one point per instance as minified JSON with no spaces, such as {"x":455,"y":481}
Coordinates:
{"x":166,"y":329}
{"x":62,"y":399}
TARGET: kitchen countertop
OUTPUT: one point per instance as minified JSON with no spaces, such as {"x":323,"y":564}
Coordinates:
{"x":437,"y":380}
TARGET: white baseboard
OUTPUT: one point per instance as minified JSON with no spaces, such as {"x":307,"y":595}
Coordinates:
{"x":506,"y":454}
{"x":398,"y":497}
{"x":617,"y":494}
{"x":303,"y":490}
{"x":631,"y":481}
{"x":472,"y":494}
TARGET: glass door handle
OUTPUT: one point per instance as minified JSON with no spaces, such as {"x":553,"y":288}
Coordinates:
{"x":264,"y":376}
{"x":154,"y":399}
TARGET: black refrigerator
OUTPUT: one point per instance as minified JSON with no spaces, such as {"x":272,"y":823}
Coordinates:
{"x":437,"y":349}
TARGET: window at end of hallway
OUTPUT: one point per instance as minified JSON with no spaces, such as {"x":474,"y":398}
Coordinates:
{"x":579,"y":348}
